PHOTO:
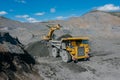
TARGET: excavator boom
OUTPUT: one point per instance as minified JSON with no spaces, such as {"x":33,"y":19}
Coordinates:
{"x":50,"y":33}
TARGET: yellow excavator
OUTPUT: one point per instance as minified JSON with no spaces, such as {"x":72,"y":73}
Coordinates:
{"x":71,"y":48}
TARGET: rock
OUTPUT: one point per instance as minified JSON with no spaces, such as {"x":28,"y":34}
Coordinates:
{"x":15,"y":62}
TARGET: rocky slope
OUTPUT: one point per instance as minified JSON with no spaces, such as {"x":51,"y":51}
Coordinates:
{"x":94,"y":24}
{"x":15,"y":62}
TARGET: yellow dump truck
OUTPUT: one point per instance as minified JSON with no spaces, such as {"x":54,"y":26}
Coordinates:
{"x":71,"y":48}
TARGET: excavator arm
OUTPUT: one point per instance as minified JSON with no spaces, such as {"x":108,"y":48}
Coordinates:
{"x":51,"y":31}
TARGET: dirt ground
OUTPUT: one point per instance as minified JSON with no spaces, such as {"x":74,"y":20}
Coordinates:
{"x":104,"y":64}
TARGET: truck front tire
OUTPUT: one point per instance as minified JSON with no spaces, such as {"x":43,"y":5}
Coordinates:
{"x":66,"y":57}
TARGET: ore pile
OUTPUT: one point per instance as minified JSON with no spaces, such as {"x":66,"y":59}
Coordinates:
{"x":38,"y":48}
{"x":15,"y":62}
{"x":42,"y":48}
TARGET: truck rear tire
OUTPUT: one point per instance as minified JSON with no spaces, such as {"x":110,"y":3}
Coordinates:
{"x":55,"y":52}
{"x":66,"y":57}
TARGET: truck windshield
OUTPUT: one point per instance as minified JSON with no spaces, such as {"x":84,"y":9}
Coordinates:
{"x":85,"y":41}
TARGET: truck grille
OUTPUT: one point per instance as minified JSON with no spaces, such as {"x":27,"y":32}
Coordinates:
{"x":81,"y":51}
